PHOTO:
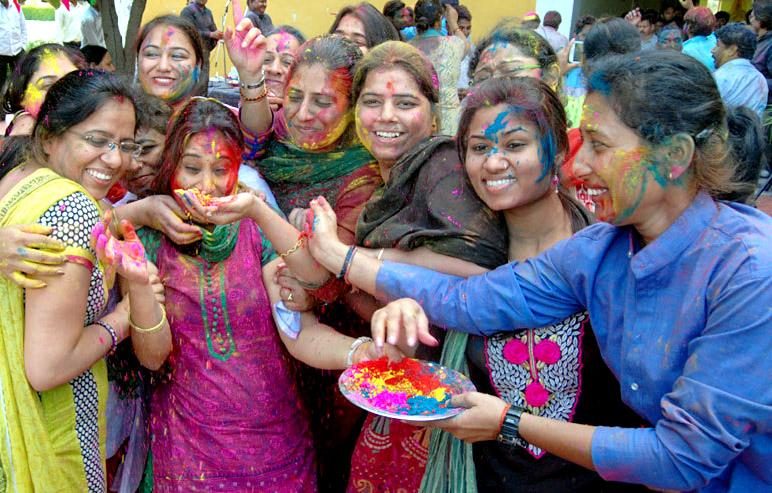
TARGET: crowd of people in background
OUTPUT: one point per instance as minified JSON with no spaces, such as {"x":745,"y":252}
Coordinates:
{"x":569,"y":221}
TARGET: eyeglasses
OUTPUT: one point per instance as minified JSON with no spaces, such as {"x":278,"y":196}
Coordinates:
{"x":503,"y":71}
{"x":125,"y":146}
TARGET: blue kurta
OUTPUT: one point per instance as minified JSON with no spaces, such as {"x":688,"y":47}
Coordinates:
{"x":685,"y":324}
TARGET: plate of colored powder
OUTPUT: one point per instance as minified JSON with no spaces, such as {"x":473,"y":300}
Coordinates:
{"x":409,"y":390}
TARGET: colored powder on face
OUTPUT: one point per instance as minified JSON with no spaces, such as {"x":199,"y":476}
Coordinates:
{"x":497,"y":126}
{"x":405,"y":387}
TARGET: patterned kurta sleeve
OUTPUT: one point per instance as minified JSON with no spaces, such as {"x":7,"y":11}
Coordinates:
{"x":72,"y":219}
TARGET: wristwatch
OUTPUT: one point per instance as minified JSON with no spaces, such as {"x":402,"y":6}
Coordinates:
{"x":510,"y":427}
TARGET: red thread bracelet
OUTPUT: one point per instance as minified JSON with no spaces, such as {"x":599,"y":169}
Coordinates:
{"x":503,"y":416}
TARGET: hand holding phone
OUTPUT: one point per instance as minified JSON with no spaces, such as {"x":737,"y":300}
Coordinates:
{"x":577,"y":52}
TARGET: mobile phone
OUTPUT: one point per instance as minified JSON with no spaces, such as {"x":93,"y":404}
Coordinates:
{"x":577,"y":50}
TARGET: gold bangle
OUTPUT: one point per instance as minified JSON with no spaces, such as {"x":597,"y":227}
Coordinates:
{"x":152,"y":329}
{"x":294,"y":249}
{"x":380,"y":254}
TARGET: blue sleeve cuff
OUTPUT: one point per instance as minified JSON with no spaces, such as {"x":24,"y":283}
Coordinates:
{"x":609,"y":453}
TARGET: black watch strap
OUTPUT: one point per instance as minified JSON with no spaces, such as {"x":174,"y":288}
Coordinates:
{"x":510,"y":428}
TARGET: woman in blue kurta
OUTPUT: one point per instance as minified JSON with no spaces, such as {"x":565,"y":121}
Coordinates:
{"x":677,"y":286}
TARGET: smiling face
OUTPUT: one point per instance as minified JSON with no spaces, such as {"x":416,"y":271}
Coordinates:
{"x":316,"y":107}
{"x":352,"y":28}
{"x":258,"y":6}
{"x":167,"y":64}
{"x":504,"y":59}
{"x":73,"y":156}
{"x":281,"y":49}
{"x":623,"y":175}
{"x":503,"y":158}
{"x":392,"y":115}
{"x":145,"y":168}
{"x":53,"y":66}
{"x":209,"y":163}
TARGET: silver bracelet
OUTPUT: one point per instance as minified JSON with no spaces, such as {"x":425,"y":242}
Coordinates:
{"x":354,"y":346}
{"x":256,"y":85}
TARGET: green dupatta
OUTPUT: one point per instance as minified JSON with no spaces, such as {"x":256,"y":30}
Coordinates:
{"x":289,"y":163}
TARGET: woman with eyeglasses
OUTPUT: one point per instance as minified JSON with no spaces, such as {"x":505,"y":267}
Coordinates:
{"x":54,"y":339}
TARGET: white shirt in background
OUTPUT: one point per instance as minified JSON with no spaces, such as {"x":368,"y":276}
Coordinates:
{"x":13,"y":30}
{"x":68,"y":22}
{"x":123,"y":11}
{"x":91,"y":28}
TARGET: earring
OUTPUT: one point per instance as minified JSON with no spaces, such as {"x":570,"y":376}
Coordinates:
{"x":555,"y":182}
{"x":670,"y":175}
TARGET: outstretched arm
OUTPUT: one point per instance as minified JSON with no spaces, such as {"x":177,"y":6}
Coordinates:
{"x":319,"y":345}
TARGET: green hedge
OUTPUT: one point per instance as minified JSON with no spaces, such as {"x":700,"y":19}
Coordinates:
{"x":38,"y":13}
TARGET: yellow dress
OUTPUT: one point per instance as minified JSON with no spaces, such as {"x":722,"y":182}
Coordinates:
{"x":52,"y":441}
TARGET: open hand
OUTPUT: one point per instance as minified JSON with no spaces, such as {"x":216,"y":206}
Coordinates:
{"x":246,"y":45}
{"x":27,"y":253}
{"x":166,"y":215}
{"x":403,"y":319}
{"x":565,"y":65}
{"x":123,"y":257}
{"x":226,"y":210}
{"x":634,"y":16}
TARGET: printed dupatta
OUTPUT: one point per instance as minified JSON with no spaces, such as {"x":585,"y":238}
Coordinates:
{"x":27,"y":455}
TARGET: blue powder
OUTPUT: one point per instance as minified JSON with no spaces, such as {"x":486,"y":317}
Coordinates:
{"x":424,"y":405}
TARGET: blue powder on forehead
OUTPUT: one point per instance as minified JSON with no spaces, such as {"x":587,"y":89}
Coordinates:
{"x":497,"y":126}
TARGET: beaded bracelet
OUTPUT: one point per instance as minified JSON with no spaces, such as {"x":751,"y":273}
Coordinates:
{"x":347,"y":262}
{"x":294,"y":248}
{"x":257,"y":98}
{"x":152,"y":329}
{"x":113,"y":335}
